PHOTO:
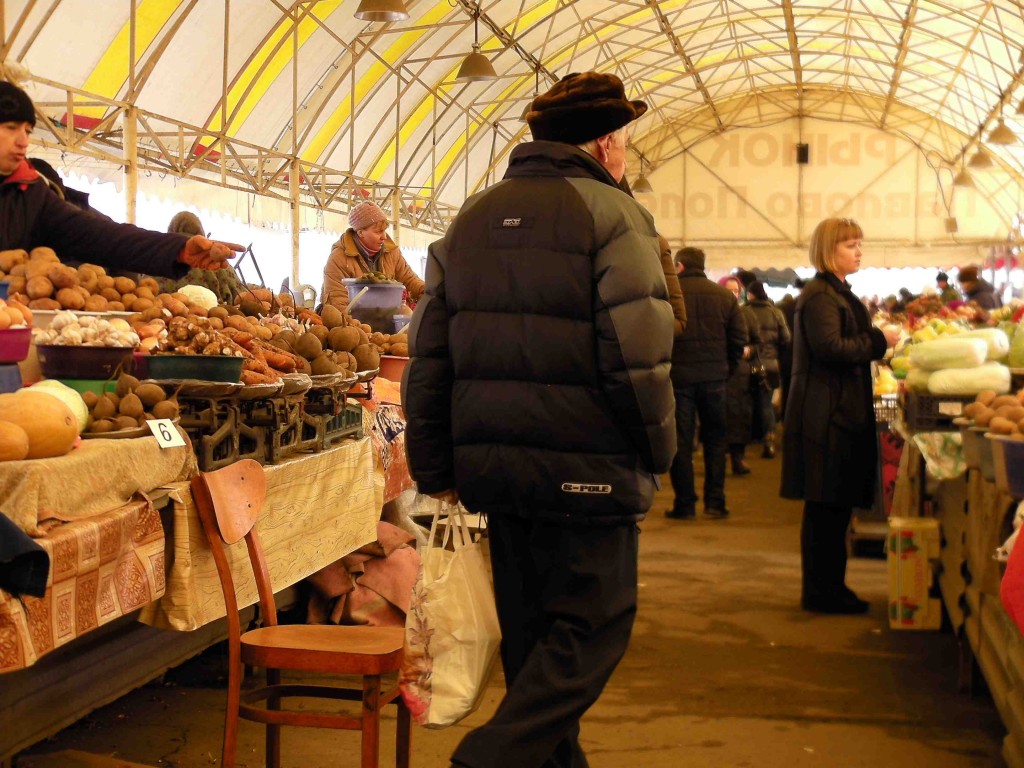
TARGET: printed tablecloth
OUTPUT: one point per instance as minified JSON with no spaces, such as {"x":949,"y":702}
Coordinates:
{"x":101,"y":568}
{"x":319,"y":507}
{"x":96,"y":477}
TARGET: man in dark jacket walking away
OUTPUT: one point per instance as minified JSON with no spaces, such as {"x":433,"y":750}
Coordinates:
{"x":538,"y":392}
{"x":709,"y":348}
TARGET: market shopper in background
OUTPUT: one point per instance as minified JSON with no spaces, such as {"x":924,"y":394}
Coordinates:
{"x":947,"y":292}
{"x":829,"y":456}
{"x":538,"y":392}
{"x":32,"y":215}
{"x":739,"y":410}
{"x":709,"y":349}
{"x":774,"y":338}
{"x":977,"y":288}
{"x":788,"y":308}
{"x":223,"y":282}
{"x":366,"y":247}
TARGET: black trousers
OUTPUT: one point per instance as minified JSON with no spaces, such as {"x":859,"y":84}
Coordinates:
{"x":823,"y":549}
{"x":566,"y":599}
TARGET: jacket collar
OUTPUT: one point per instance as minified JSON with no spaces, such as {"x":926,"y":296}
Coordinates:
{"x":23,"y":175}
{"x":348,"y":242}
{"x":691,"y":272}
{"x":835,"y":282}
{"x":553,"y":158}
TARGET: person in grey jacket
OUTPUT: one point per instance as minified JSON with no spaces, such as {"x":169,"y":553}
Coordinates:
{"x":538,"y":392}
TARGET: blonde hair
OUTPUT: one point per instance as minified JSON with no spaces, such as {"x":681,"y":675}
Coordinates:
{"x":826,"y":236}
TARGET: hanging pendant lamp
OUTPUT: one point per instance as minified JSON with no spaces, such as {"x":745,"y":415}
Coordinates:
{"x":382,"y":10}
{"x":641,"y":186}
{"x":963,"y":179}
{"x":981,"y":160}
{"x":536,"y":92}
{"x":1002,"y":135}
{"x":476,"y":66}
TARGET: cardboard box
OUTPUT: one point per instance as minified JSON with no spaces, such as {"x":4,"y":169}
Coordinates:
{"x":911,"y":546}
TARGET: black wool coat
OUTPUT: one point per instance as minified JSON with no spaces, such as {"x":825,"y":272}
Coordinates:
{"x":830,"y":453}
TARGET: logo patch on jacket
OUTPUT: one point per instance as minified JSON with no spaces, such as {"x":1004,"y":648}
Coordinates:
{"x":513,"y":222}
{"x":586,"y":488}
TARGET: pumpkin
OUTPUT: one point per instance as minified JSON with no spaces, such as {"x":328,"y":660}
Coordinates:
{"x":13,"y":442}
{"x":51,"y":426}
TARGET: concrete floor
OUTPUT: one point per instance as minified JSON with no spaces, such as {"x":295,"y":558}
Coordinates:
{"x":724,"y":670}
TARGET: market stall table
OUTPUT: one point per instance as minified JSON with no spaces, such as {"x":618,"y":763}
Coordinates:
{"x":327,"y":505}
{"x":319,"y":507}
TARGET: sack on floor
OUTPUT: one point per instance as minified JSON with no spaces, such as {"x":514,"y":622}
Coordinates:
{"x":451,"y":630}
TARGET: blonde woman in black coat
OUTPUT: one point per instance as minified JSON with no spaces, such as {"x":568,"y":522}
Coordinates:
{"x":829,"y":451}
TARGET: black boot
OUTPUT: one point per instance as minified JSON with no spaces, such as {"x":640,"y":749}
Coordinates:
{"x":738,"y":467}
{"x":769,"y":447}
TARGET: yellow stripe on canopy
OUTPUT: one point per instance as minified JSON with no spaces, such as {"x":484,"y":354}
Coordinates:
{"x":111,"y":71}
{"x":373,"y":75}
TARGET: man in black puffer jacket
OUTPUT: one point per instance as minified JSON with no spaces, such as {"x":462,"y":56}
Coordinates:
{"x":704,"y":355}
{"x":538,"y":392}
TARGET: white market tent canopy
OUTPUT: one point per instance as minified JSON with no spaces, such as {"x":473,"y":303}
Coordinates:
{"x":286,"y":100}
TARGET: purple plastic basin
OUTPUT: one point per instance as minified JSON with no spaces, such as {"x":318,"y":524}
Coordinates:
{"x":14,"y":344}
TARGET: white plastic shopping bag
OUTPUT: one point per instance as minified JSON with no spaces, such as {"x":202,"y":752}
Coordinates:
{"x":451,"y":629}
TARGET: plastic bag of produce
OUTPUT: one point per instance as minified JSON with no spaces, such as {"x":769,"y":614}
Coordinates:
{"x":970,"y":381}
{"x":949,"y":353}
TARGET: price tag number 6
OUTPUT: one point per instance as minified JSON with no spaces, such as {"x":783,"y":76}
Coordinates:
{"x":166,"y":434}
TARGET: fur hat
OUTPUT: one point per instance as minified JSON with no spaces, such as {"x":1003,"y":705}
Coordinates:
{"x":365,"y":215}
{"x":691,"y":258}
{"x":15,"y":105}
{"x":581,"y":107}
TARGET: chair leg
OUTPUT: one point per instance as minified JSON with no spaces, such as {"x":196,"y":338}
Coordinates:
{"x":227,"y":757}
{"x":403,"y":735}
{"x":273,"y":731}
{"x":371,"y":722}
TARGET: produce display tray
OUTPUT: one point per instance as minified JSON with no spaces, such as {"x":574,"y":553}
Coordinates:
{"x":923,"y":412}
{"x":259,"y":391}
{"x":199,"y":389}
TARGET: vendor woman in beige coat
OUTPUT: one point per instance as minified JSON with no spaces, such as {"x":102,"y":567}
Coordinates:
{"x":365,"y":247}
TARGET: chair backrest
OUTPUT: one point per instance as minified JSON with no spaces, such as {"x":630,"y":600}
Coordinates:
{"x":229,"y":501}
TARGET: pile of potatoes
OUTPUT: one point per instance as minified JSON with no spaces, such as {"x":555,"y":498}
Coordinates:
{"x":1000,"y":414}
{"x":40,"y":281}
{"x":337,"y":344}
{"x":129,"y":406}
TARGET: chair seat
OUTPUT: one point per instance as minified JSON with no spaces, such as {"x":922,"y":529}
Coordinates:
{"x":358,"y":650}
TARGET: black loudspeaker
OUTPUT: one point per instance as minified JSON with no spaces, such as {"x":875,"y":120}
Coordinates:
{"x":803,"y":154}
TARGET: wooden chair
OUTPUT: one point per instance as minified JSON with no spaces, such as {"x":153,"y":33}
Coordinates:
{"x":229,"y":501}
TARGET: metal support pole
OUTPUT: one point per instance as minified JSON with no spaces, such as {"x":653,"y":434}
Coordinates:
{"x":396,"y":219}
{"x":293,"y":193}
{"x":131,"y":166}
